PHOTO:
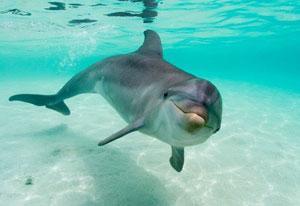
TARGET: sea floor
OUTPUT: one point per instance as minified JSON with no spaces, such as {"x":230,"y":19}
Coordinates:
{"x":50,"y":159}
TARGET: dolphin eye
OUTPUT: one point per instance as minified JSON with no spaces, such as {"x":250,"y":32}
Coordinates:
{"x":166,"y":94}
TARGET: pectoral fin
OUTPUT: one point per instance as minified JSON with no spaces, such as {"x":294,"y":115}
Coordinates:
{"x":177,"y":158}
{"x":128,"y":129}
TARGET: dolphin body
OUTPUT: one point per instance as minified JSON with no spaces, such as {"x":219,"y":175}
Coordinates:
{"x":150,"y":94}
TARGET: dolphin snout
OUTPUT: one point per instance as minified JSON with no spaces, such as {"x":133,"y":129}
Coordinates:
{"x":200,"y":111}
{"x":194,"y":122}
{"x":195,"y":117}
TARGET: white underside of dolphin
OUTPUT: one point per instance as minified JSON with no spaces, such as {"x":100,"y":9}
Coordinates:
{"x":151,"y":95}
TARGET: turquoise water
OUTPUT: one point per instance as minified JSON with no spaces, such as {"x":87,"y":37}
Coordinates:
{"x":250,"y":50}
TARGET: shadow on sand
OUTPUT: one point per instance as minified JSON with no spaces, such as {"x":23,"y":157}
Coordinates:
{"x":117,"y":179}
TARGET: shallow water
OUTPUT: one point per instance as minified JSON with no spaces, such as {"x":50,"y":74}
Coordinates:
{"x":249,"y":50}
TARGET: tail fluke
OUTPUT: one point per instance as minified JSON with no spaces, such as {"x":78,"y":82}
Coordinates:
{"x":42,"y":100}
{"x":60,"y":107}
{"x":36,"y":99}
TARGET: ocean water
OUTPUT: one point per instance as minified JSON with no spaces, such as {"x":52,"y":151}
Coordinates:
{"x":249,"y":49}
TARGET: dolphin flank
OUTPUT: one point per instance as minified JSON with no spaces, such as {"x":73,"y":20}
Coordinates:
{"x":150,"y":94}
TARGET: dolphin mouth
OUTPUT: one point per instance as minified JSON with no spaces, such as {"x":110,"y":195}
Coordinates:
{"x":199,"y":114}
{"x":196,"y":119}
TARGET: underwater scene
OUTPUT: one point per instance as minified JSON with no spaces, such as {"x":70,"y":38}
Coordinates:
{"x":202,"y":99}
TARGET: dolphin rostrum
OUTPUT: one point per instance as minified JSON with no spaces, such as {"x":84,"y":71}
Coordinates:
{"x":150,"y":94}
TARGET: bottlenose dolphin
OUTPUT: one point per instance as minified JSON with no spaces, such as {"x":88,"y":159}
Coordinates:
{"x":150,"y":94}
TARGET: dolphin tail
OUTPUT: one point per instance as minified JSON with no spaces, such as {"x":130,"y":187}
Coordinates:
{"x":43,"y":100}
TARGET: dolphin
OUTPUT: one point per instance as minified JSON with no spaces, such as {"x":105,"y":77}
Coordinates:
{"x":153,"y":96}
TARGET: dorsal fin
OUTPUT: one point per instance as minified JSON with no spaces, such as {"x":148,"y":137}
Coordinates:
{"x":152,"y":44}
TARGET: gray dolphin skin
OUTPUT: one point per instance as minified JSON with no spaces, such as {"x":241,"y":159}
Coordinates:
{"x":150,"y":94}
